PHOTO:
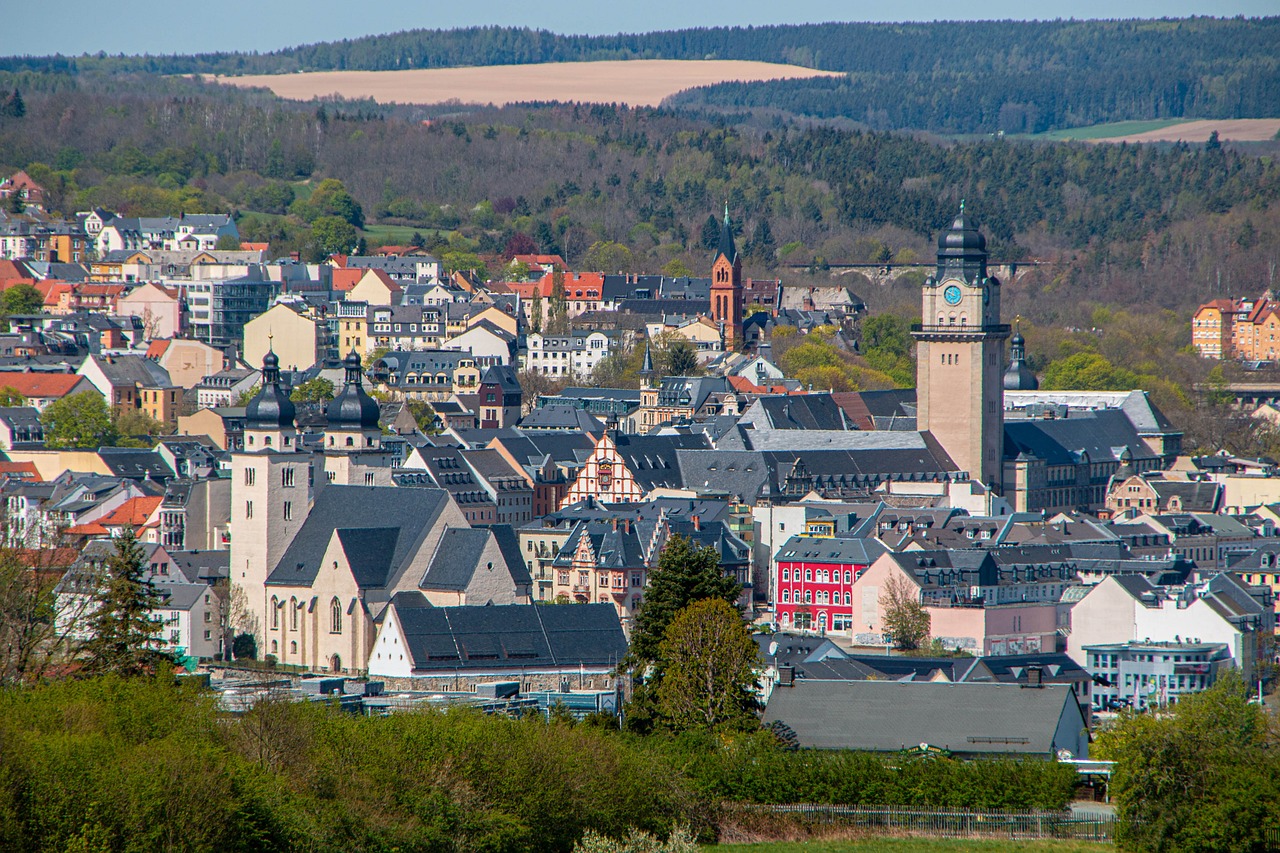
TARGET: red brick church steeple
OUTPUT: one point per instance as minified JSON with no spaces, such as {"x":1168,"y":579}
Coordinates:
{"x":726,"y":287}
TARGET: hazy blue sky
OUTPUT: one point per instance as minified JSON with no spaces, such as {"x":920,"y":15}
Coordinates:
{"x":148,"y":26}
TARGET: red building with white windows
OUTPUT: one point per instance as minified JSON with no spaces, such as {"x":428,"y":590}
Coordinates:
{"x":814,"y":581}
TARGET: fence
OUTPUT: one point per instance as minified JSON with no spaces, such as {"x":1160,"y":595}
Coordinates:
{"x":956,"y":823}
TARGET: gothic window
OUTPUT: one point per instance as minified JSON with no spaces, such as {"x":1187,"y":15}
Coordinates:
{"x":249,"y":475}
{"x":293,"y":614}
{"x":248,"y":509}
{"x":335,"y":616}
{"x":288,"y":510}
{"x":286,"y":477}
{"x":275,"y":615}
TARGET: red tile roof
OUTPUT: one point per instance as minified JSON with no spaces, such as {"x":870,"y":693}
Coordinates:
{"x":132,"y":513}
{"x":20,"y":470}
{"x":40,"y":385}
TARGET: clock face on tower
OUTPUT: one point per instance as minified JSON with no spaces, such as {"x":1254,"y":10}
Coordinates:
{"x":952,"y":294}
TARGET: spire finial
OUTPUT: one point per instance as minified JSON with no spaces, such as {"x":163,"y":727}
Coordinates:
{"x":962,"y":205}
{"x":726,"y":211}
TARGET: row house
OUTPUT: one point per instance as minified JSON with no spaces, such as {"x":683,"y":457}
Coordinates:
{"x":48,"y":242}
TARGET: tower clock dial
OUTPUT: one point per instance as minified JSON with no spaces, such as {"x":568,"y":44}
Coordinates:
{"x":952,"y":294}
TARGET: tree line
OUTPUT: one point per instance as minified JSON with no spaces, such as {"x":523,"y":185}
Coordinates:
{"x":978,"y":76}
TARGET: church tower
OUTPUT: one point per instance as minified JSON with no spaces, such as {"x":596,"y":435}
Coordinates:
{"x":960,"y":355}
{"x":726,"y":287}
{"x":272,"y":487}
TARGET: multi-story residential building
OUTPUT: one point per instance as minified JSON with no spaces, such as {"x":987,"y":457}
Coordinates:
{"x":405,"y":327}
{"x":132,"y":382}
{"x":815,"y":578}
{"x":431,"y":375}
{"x":500,"y":397}
{"x":220,"y":308}
{"x":572,"y":355}
{"x":1129,"y":608}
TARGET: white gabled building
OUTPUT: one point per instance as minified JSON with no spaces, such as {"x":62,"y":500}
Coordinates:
{"x":575,"y":354}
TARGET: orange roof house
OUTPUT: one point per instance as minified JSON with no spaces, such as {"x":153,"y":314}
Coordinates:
{"x":41,"y":389}
{"x":135,"y":514}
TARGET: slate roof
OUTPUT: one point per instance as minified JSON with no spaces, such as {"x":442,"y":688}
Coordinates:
{"x":1195,"y":496}
{"x":456,"y":559}
{"x":131,"y":370}
{"x":888,"y":716}
{"x":562,"y":418}
{"x":135,"y":464}
{"x":516,"y":635}
{"x":796,"y":412}
{"x":205,"y":566}
{"x":653,"y":459}
{"x":1103,"y":434}
{"x":354,"y":511}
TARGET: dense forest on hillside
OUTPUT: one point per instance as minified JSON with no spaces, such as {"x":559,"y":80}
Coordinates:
{"x":952,"y":77}
{"x":569,"y":176}
{"x":1106,"y":236}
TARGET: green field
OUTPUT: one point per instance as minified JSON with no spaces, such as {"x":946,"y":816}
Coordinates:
{"x":399,"y":235}
{"x":914,"y":845}
{"x":1106,"y":131}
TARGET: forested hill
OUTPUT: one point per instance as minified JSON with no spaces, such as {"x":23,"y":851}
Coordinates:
{"x":950,"y":77}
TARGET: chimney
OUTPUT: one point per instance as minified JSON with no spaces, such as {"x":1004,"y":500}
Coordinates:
{"x":615,"y":525}
{"x":626,"y":525}
{"x":697,"y":522}
{"x":1034,"y":674}
{"x":786,"y":675}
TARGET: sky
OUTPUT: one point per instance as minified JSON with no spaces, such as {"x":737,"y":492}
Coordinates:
{"x":147,"y":26}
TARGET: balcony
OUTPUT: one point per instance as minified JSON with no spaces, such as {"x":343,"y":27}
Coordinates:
{"x":581,"y":588}
{"x":1001,"y":330}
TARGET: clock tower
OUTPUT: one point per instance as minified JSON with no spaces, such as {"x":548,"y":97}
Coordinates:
{"x":960,"y":355}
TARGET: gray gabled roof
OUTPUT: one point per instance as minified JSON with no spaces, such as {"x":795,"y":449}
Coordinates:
{"x":359,"y":514}
{"x":887,"y":716}
{"x":516,"y":635}
{"x":456,"y":559}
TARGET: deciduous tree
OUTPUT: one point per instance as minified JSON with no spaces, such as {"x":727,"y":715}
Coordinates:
{"x":710,"y":669}
{"x":80,"y":421}
{"x":318,"y":390}
{"x":905,"y":620}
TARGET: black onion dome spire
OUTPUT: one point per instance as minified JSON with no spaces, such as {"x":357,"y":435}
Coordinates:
{"x":353,"y":408}
{"x":271,"y":407}
{"x":1019,"y":377}
{"x":962,"y":249}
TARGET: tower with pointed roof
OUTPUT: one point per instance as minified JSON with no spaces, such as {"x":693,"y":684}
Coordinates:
{"x":960,"y":355}
{"x":726,"y":286}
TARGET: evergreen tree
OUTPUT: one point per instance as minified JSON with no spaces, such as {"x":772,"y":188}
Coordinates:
{"x":685,"y":574}
{"x":13,"y":105}
{"x":124,"y":633}
{"x":710,"y":234}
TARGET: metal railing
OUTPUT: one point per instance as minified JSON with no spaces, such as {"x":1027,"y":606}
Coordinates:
{"x":954,"y":823}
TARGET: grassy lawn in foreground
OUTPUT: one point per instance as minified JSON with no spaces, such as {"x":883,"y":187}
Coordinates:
{"x":912,"y":845}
